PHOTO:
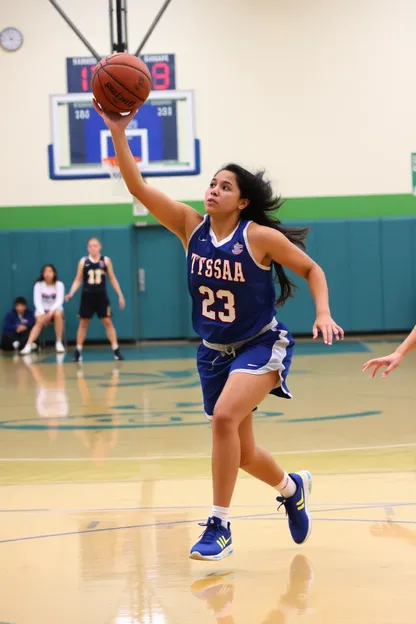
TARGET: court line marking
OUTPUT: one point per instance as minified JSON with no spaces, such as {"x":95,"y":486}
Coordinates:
{"x":317,"y":508}
{"x":204,"y":456}
{"x":176,"y":522}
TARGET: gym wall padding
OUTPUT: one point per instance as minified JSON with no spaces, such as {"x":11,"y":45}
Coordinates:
{"x":370,"y":266}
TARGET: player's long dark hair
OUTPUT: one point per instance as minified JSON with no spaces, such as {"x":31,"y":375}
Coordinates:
{"x":262,"y":209}
{"x":48,"y":266}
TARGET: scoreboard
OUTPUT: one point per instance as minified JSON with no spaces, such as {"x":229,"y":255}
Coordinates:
{"x":79,"y":70}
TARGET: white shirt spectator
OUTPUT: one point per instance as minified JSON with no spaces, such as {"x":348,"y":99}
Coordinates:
{"x":48,"y":297}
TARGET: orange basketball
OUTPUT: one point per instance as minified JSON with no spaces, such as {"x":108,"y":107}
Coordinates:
{"x":121,"y":82}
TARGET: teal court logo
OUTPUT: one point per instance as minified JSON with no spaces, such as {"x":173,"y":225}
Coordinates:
{"x":189,"y":414}
{"x":139,"y":416}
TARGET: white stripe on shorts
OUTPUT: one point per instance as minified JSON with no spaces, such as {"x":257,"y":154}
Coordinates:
{"x":275,"y":363}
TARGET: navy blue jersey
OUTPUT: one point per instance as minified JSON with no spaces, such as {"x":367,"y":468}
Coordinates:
{"x":233,"y":296}
{"x":94,"y":275}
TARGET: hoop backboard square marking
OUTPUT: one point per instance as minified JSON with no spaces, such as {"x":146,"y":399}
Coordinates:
{"x":105,"y":139}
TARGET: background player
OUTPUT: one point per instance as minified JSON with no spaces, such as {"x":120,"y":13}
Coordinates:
{"x":245,"y":353}
{"x":92,"y":272}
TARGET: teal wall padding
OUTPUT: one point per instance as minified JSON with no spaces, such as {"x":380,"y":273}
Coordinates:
{"x":363,"y":275}
{"x":398,"y":271}
{"x":164,"y":307}
{"x":370,"y":266}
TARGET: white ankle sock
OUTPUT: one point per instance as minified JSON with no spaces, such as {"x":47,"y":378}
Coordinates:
{"x":79,"y":347}
{"x":287,"y":487}
{"x":221,"y":513}
{"x":114,"y":346}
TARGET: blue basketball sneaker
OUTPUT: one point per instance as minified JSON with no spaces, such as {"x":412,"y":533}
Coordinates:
{"x":300,"y":521}
{"x":215,"y":542}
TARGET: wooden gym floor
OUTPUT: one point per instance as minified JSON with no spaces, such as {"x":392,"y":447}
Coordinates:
{"x":104,"y":473}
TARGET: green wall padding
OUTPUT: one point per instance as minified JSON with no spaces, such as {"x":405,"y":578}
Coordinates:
{"x":299,"y":208}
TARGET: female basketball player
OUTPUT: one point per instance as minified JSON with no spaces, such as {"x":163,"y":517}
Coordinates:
{"x":48,"y":297}
{"x":245,"y":353}
{"x":393,"y":360}
{"x":91,"y":273}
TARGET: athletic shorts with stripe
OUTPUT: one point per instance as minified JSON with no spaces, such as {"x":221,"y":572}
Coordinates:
{"x":272,"y":351}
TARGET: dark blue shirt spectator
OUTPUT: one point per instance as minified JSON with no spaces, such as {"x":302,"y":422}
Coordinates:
{"x":17,"y":325}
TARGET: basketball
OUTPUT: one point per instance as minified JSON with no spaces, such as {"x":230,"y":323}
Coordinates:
{"x":121,"y":82}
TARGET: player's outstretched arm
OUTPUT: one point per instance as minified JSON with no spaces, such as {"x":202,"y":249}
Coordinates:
{"x":393,"y":360}
{"x":180,"y":218}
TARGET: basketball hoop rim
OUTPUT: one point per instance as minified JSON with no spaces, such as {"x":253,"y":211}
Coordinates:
{"x":112,"y":161}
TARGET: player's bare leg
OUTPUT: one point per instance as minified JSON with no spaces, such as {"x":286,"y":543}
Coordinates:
{"x":39,"y":325}
{"x":81,"y":335}
{"x":82,"y":331}
{"x":294,"y":489}
{"x":58,"y":321}
{"x":255,"y":460}
{"x":110,"y":330}
{"x":241,"y":391}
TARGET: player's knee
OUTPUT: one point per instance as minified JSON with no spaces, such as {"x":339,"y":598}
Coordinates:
{"x":107,"y":322}
{"x":84,"y":322}
{"x":223,"y":421}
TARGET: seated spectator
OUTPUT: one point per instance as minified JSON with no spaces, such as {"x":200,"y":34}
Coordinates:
{"x":17,"y":325}
{"x":48,"y":296}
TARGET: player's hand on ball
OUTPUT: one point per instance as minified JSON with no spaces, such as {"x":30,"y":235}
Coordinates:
{"x":328,"y":328}
{"x":122,"y":302}
{"x":114,"y":121}
{"x":391,"y":361}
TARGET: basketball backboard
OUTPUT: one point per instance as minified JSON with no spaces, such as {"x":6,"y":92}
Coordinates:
{"x":162,"y":135}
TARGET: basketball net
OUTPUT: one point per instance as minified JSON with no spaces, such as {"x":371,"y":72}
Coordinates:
{"x":110,"y":165}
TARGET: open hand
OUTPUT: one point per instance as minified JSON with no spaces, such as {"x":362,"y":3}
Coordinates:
{"x":114,"y":121}
{"x":391,"y":361}
{"x":121,"y":302}
{"x":328,"y":328}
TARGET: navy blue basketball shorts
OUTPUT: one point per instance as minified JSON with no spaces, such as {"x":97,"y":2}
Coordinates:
{"x":272,"y":351}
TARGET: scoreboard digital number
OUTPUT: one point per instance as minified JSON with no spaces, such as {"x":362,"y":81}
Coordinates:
{"x":79,"y":70}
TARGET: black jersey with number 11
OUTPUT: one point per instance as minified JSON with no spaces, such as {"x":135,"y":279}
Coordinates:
{"x":94,"y":275}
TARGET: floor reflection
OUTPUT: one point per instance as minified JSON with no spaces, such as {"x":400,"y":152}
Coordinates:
{"x":217,"y":591}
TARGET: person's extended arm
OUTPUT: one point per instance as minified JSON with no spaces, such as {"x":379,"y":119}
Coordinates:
{"x":393,"y":360}
{"x":180,"y":218}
